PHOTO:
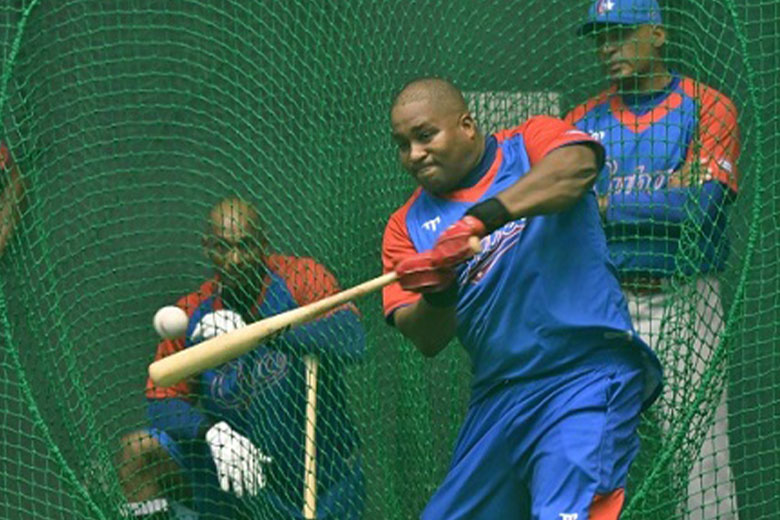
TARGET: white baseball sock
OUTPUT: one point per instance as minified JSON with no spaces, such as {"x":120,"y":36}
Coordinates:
{"x":147,"y":507}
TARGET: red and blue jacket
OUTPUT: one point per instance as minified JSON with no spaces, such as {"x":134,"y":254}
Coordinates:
{"x":262,"y":394}
{"x":687,"y":127}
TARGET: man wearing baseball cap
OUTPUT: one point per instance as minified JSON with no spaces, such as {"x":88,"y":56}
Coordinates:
{"x":672,"y":146}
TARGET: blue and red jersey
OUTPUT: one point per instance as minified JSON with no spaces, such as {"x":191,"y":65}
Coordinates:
{"x":688,"y":127}
{"x":262,"y":394}
{"x":542,"y":295}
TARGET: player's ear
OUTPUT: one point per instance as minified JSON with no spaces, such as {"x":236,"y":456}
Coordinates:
{"x":468,"y":124}
{"x":658,"y":36}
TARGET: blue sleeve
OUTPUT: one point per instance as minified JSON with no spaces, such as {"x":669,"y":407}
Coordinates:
{"x":177,"y":417}
{"x":341,"y":334}
{"x":672,"y":206}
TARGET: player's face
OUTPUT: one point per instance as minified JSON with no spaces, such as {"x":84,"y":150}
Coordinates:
{"x":627,"y":51}
{"x":435,"y":145}
{"x":237,"y":248}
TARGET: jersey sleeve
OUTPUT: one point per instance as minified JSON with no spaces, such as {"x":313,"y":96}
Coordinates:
{"x":543,"y":134}
{"x":336,"y":333}
{"x":181,"y":389}
{"x":167,"y":347}
{"x":396,"y":245}
{"x":308,"y":281}
{"x":718,"y":144}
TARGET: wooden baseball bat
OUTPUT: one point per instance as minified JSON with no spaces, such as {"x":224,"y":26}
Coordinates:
{"x":221,"y":349}
{"x":310,"y":460}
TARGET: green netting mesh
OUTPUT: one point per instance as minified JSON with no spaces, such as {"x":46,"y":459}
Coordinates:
{"x":129,"y":120}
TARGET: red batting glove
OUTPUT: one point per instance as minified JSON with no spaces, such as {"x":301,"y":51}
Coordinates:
{"x":418,"y":274}
{"x":452,"y":247}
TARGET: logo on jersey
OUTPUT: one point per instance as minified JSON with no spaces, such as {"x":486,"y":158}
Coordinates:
{"x":494,"y":246}
{"x":612,"y":167}
{"x":568,"y":516}
{"x":598,"y":135}
{"x":639,"y":180}
{"x":726,"y":165}
{"x":432,"y":224}
{"x":251,"y":379}
{"x":602,"y":7}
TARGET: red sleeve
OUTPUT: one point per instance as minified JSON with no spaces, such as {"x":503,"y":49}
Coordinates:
{"x":166,"y":347}
{"x":181,"y":389}
{"x":307,"y":280}
{"x":543,"y":134}
{"x":396,"y":245}
{"x":718,"y":145}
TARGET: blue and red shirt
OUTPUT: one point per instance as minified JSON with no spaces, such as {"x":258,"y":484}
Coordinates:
{"x":688,"y":127}
{"x":262,"y":394}
{"x":542,"y":295}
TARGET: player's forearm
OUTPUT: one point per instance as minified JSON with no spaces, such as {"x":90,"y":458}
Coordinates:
{"x":429,"y":328}
{"x":340,"y":334}
{"x":554,"y":184}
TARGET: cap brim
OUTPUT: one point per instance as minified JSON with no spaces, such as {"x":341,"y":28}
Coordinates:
{"x":588,"y":27}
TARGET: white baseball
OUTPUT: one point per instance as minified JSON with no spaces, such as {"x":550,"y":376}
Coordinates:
{"x":170,"y":322}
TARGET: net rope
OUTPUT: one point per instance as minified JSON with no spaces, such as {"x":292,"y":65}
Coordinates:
{"x":129,"y":121}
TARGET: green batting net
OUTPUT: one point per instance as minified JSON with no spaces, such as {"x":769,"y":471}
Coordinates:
{"x":128,"y":120}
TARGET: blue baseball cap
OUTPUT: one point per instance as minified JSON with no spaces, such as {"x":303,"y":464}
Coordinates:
{"x":621,"y":12}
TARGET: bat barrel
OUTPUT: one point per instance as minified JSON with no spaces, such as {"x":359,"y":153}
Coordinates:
{"x":203,"y":356}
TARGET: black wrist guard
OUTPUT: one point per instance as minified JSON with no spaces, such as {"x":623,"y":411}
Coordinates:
{"x":446,"y":298}
{"x":492,"y":213}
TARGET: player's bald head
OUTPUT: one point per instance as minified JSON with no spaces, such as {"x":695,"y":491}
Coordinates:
{"x":438,"y":93}
{"x":437,"y":138}
{"x":233,"y":218}
{"x":235,"y":243}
